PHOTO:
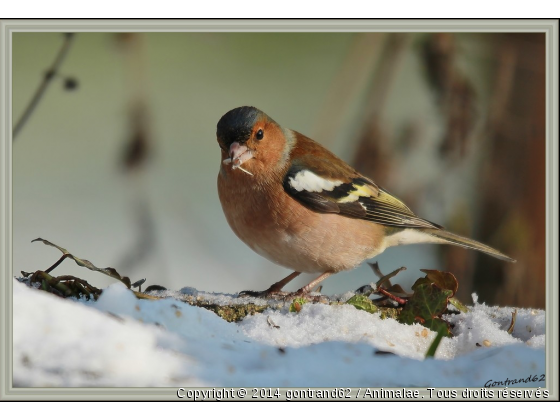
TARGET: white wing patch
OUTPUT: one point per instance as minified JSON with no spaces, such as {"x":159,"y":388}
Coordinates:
{"x":308,"y":181}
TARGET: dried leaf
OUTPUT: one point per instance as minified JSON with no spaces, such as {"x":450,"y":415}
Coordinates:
{"x":443,"y":279}
{"x":139,"y":283}
{"x":385,"y":279}
{"x":375,"y":267}
{"x":397,"y":290}
{"x":64,"y":286}
{"x":109,"y":271}
{"x":271,"y":323}
{"x":141,"y":295}
{"x":513,"y":318}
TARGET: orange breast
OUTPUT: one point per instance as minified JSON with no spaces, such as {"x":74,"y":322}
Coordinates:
{"x":284,"y":231}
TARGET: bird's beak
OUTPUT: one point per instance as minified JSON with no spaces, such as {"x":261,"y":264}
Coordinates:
{"x":239,"y":153}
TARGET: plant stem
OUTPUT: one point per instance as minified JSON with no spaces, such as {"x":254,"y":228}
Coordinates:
{"x":48,"y":77}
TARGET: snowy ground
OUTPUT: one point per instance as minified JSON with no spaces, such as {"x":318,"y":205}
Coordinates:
{"x":122,"y":341}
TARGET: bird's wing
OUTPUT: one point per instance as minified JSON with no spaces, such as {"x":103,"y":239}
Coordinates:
{"x":340,"y":189}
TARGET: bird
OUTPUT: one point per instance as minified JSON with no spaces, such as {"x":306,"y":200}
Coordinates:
{"x":297,"y":204}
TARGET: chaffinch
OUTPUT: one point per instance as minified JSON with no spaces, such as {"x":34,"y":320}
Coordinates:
{"x":297,"y":204}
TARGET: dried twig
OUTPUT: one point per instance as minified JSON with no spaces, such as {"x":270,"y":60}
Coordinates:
{"x":47,"y":79}
{"x":512,"y":324}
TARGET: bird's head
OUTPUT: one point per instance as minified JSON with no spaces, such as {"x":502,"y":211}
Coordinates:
{"x":250,"y":140}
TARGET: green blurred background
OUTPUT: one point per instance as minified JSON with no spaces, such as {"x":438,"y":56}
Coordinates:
{"x":121,"y":168}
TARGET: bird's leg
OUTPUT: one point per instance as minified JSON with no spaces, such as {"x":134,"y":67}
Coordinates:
{"x":275,"y":289}
{"x":305,"y":290}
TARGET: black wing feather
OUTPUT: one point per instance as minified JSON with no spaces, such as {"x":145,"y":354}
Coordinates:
{"x":360,"y":198}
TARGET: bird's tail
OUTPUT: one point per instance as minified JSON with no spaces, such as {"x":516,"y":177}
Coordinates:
{"x":454,"y":239}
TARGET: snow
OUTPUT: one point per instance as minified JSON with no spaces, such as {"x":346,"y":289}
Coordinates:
{"x":122,"y":341}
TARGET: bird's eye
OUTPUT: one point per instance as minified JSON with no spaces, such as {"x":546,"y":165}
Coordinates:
{"x":260,"y":134}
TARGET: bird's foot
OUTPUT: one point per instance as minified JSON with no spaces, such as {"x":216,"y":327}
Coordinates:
{"x":274,"y":291}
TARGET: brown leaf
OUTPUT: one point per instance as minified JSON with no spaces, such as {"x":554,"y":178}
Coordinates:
{"x":397,"y":290}
{"x":443,"y":279}
{"x":109,"y":271}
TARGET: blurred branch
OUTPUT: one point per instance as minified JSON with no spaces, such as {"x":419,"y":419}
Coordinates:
{"x":372,"y":156}
{"x":512,"y":184}
{"x":138,"y":150}
{"x":454,"y":95}
{"x":507,"y":62}
{"x":454,"y":90}
{"x":354,"y":73}
{"x":138,"y":147}
{"x":383,"y":81}
{"x":47,"y":79}
{"x":146,"y":237}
